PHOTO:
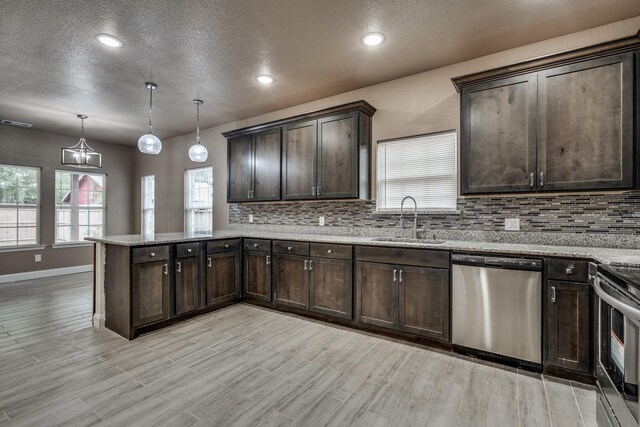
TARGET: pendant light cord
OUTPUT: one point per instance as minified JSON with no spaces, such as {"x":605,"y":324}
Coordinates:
{"x":150,"y":107}
{"x":82,"y":120}
{"x":198,"y":123}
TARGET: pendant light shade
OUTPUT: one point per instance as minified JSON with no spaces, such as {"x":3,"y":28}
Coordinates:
{"x":198,"y":152}
{"x":149,"y":143}
{"x":81,"y":155}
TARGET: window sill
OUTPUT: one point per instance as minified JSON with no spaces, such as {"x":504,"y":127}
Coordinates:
{"x":71,"y":245}
{"x":22,"y":248}
{"x":410,"y":211}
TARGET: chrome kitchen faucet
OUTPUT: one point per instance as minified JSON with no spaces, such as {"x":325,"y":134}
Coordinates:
{"x":415,"y":216}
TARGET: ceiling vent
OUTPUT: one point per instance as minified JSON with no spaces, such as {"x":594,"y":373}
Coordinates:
{"x":14,"y":123}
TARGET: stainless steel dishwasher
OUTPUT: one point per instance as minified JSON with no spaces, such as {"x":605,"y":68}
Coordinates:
{"x":497,"y":305}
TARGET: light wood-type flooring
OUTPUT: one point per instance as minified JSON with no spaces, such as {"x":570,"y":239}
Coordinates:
{"x":247,"y":366}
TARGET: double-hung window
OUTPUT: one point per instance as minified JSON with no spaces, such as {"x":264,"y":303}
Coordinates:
{"x":80,"y":206}
{"x":148,"y":205}
{"x":19,"y":205}
{"x":199,"y":200}
{"x":424,"y":167}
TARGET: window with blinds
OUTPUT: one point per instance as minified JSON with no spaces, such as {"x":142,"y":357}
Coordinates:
{"x":424,"y":167}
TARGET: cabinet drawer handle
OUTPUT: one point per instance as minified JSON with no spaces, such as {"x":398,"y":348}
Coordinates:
{"x":570,"y":268}
{"x":395,"y":275}
{"x":166,"y":269}
{"x":553,"y":294}
{"x":318,"y":191}
{"x":313,"y":191}
{"x":226,"y":246}
{"x":329,"y":251}
{"x":532,"y":179}
{"x":255,"y":245}
{"x":268,"y":260}
{"x":306,"y":265}
{"x":400,"y":280}
{"x":188,"y":251}
{"x":541,"y":179}
{"x":179,"y":267}
{"x":152,"y":254}
{"x":310,"y":265}
{"x":209,"y":262}
{"x":289,"y":248}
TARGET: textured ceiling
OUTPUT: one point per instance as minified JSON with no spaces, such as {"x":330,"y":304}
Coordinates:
{"x":52,"y":67}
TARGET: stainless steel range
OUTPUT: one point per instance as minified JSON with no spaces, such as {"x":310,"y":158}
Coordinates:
{"x":617,"y":336}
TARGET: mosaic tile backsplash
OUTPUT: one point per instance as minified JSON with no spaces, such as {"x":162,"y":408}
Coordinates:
{"x":565,"y":213}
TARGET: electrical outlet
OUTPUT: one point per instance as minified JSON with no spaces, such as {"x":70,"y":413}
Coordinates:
{"x":38,"y":257}
{"x":321,"y":221}
{"x":251,"y":218}
{"x":512,"y":224}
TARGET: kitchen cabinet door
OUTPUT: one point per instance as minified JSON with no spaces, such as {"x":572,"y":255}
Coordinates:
{"x":424,"y":301}
{"x":240,"y":168}
{"x":338,"y":157}
{"x":299,"y":154}
{"x":377,"y":294}
{"x":150,"y":292}
{"x":257,"y":275}
{"x":498,"y":136}
{"x":266,"y":161}
{"x":585,"y":125}
{"x":223,"y":277}
{"x":291,"y":281}
{"x":568,"y":319}
{"x":187,"y":273}
{"x":331,"y":287}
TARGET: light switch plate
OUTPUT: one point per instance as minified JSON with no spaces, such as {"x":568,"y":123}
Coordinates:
{"x":38,"y":257}
{"x":321,"y":222}
{"x":251,"y":218}
{"x":512,"y":224}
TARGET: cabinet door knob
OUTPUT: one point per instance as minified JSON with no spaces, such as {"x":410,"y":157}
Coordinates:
{"x":152,"y":254}
{"x":570,"y":268}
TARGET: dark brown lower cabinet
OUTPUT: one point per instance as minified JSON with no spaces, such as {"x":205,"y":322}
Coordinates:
{"x":405,"y":298}
{"x":187,"y":273}
{"x":223,"y":277}
{"x":424,"y":301}
{"x":149,"y":292}
{"x":568,"y":318}
{"x":257,"y":275}
{"x":291,"y":280}
{"x":331,"y":286}
{"x":377,"y":294}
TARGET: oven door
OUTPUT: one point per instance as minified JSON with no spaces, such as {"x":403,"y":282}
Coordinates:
{"x":617,"y":362}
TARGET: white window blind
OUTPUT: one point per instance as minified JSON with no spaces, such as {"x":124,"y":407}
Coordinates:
{"x":148,"y":205}
{"x":19,"y":205}
{"x":423,"y":167}
{"x":80,"y":206}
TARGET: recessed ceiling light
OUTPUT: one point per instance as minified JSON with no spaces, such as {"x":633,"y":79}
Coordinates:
{"x":265,"y":79}
{"x":373,"y":39}
{"x":108,"y":40}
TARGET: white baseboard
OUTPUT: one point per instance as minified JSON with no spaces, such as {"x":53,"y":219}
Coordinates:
{"x":98,"y":321}
{"x":38,"y":274}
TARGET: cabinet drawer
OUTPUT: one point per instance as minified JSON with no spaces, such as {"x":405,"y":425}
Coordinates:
{"x":322,"y":250}
{"x":293,"y":248}
{"x":184,"y":250}
{"x":567,"y":269}
{"x":257,"y":245}
{"x":150,"y":253}
{"x":223,"y":246}
{"x":402,"y":256}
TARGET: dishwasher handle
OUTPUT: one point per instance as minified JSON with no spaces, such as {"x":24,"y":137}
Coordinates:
{"x":498,"y":262}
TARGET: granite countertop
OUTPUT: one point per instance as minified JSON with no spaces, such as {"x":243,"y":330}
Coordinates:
{"x":609,"y":256}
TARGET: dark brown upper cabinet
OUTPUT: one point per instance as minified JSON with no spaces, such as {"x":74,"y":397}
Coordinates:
{"x":585,"y":125}
{"x":498,"y":131}
{"x":324,"y":154}
{"x":557,"y":123}
{"x":254,"y":167}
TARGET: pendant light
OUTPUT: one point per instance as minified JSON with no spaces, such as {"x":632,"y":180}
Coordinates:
{"x":81,"y":155}
{"x":149,"y":143}
{"x":198,"y":152}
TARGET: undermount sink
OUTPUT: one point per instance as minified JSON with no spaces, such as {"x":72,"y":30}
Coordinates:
{"x":408,"y":240}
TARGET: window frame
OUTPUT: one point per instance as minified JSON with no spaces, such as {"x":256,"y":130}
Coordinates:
{"x":142,"y":203}
{"x":428,"y":210}
{"x":55,"y":208}
{"x":38,"y":206}
{"x":187,"y":200}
